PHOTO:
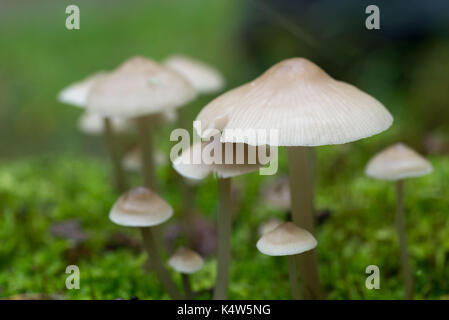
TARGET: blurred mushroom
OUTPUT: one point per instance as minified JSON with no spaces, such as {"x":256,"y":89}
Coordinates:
{"x":287,"y":240}
{"x":277,"y":195}
{"x":224,"y":167}
{"x":397,"y":163}
{"x":305,"y":107}
{"x":138,"y":89}
{"x":142,"y":208}
{"x":186,"y":262}
{"x":203,"y":78}
{"x":132,"y":161}
{"x":92,"y":123}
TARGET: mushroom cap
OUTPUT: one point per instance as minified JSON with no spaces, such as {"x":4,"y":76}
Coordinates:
{"x":188,"y":166}
{"x":277,"y":195}
{"x":201,"y":76}
{"x":185,"y":260}
{"x":138,"y":87}
{"x":301,"y":102}
{"x":286,"y":239}
{"x":140,"y":207}
{"x":92,"y":123}
{"x":397,"y":162}
{"x":132,"y":161}
{"x":76,"y":93}
{"x":269,"y":225}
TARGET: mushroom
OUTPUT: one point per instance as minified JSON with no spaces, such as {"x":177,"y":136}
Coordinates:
{"x":397,"y":163}
{"x":132,"y":161}
{"x":76,"y":94}
{"x":186,"y":262}
{"x":144,"y":209}
{"x":269,"y":225}
{"x":140,"y":88}
{"x":287,"y":240}
{"x":92,"y":123}
{"x":277,"y":195}
{"x":302,"y":106}
{"x":224,"y":169}
{"x":204,"y":78}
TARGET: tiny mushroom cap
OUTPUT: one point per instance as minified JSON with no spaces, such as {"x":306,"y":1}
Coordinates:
{"x":132,"y":161}
{"x":76,"y":93}
{"x":299,"y":102}
{"x":139,"y":87}
{"x":185,"y":260}
{"x":201,"y":76}
{"x":286,"y":239}
{"x":193,"y":165}
{"x":92,"y":123}
{"x":269,"y":225}
{"x":277,"y":195}
{"x":140,"y":207}
{"x":397,"y":162}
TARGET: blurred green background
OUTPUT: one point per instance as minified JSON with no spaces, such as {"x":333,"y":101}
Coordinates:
{"x":50,"y":173}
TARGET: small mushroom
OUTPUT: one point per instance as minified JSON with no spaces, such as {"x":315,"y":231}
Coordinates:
{"x":397,"y":163}
{"x":144,"y":209}
{"x":186,"y":262}
{"x":277,"y":195}
{"x":93,"y":124}
{"x":139,"y":89}
{"x":132,"y":161}
{"x":204,"y":78}
{"x":287,"y":240}
{"x":224,"y":168}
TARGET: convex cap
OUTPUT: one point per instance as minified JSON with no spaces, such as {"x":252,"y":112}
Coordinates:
{"x":201,"y":76}
{"x":303,"y":103}
{"x":397,"y":162}
{"x":76,"y":93}
{"x":244,"y":159}
{"x":140,"y":207}
{"x":286,"y":239}
{"x":139,"y":87}
{"x":185,"y":260}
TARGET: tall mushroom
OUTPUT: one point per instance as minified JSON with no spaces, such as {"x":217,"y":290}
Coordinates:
{"x":138,"y":89}
{"x":186,"y":261}
{"x":205,"y":79}
{"x":144,"y":209}
{"x":287,"y":240}
{"x":397,"y":163}
{"x":302,"y":106}
{"x":76,"y":94}
{"x":230,"y":163}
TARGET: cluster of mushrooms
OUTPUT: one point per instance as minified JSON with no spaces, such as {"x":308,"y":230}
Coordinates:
{"x":295,"y":97}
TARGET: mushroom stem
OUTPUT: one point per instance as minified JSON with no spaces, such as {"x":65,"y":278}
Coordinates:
{"x":293,"y":275}
{"x":144,"y":124}
{"x":224,"y":239}
{"x":301,"y":193}
{"x":161,"y":272}
{"x":114,"y":152}
{"x":400,"y":225}
{"x":187,"y":286}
